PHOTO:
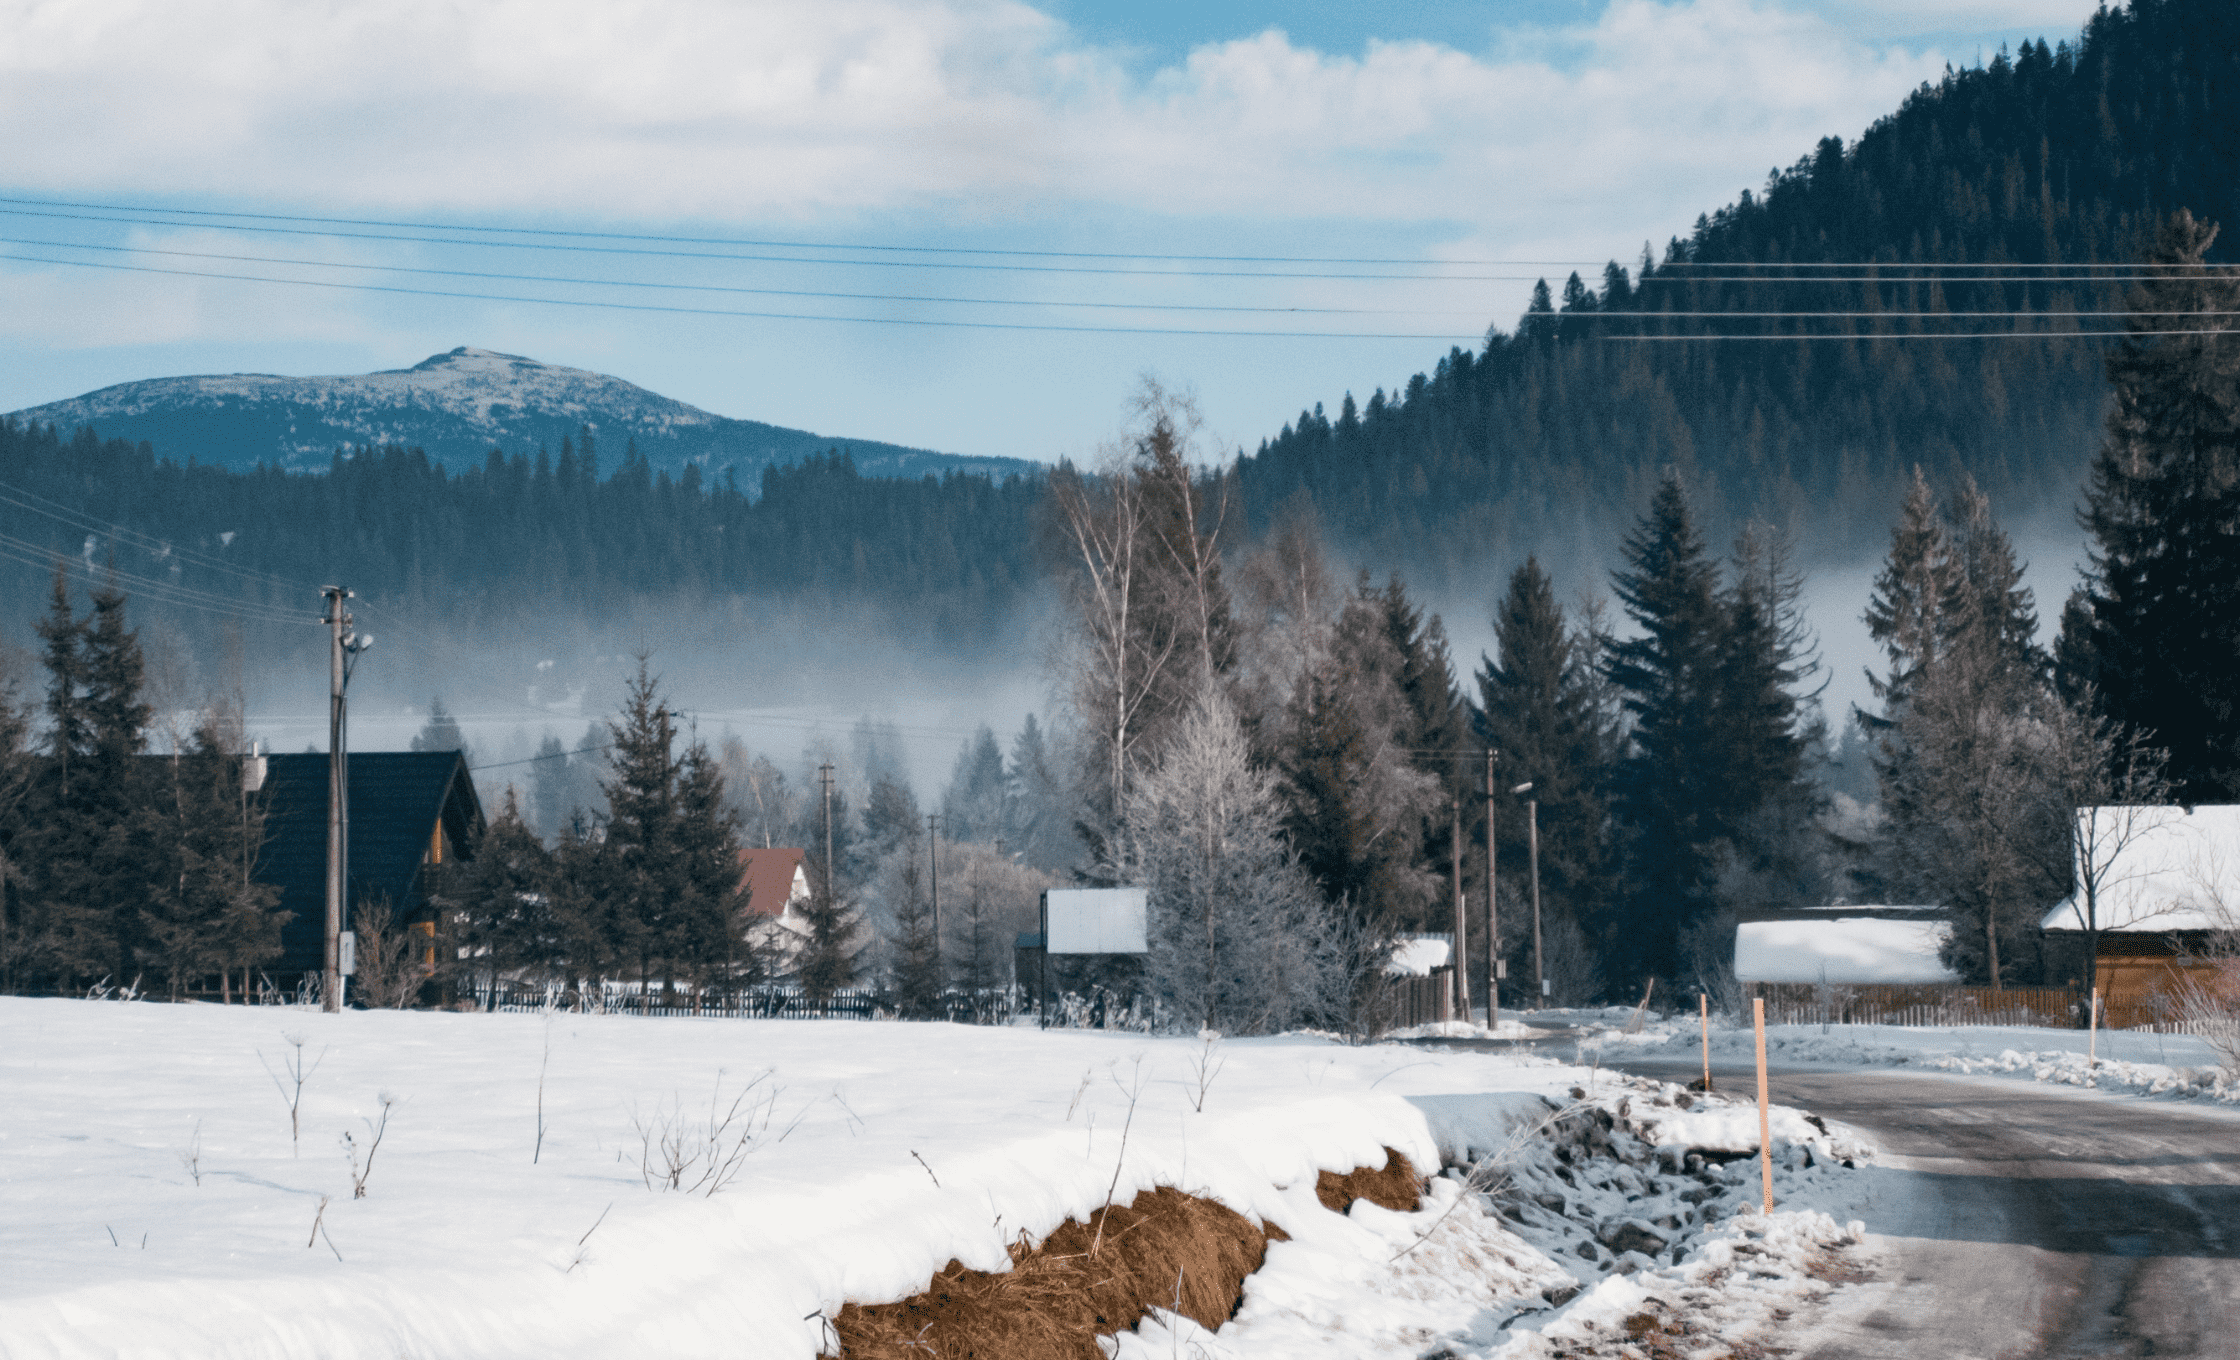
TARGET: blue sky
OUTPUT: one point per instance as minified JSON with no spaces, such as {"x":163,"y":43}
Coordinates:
{"x":1547,"y":132}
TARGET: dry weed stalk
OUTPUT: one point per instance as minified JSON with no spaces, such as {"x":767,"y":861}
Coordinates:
{"x":292,"y":1090}
{"x":1205,"y":1065}
{"x":190,"y":1156}
{"x":702,"y":1156}
{"x":359,"y":1177}
{"x":1133,"y":1091}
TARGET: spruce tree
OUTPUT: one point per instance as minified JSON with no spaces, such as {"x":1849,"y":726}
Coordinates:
{"x":2160,"y":624}
{"x":498,"y":910}
{"x":1536,"y":713}
{"x":639,"y":855}
{"x":1667,"y":788}
{"x":206,"y":912}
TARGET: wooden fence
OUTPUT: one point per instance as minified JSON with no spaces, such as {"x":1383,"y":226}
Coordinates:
{"x":1817,"y":1003}
{"x":993,"y":1007}
{"x":1412,"y":1001}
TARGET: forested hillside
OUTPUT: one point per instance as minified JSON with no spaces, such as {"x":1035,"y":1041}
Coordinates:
{"x":1551,"y":437}
{"x":516,"y":534}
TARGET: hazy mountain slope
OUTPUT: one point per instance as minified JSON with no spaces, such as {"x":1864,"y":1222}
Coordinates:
{"x":457,"y":406}
{"x":1547,"y":440}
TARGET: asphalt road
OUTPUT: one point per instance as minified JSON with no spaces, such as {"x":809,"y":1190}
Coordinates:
{"x":2016,"y":1220}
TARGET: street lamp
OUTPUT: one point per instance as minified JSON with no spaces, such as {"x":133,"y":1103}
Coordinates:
{"x":1532,"y":843}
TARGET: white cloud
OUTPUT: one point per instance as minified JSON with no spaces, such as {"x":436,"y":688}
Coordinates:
{"x":804,"y":109}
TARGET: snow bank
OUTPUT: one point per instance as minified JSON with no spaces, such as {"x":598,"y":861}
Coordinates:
{"x":2170,"y":1066}
{"x":152,"y":1201}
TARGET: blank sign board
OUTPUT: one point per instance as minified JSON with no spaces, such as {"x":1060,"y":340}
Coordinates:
{"x":1096,"y":921}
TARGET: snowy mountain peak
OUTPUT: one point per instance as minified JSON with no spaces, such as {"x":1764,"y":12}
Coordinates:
{"x":458,"y":405}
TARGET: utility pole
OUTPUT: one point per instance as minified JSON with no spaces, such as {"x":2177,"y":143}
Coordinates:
{"x":824,"y":777}
{"x":933,"y":857}
{"x":1532,"y":830}
{"x":343,"y":647}
{"x":1461,"y":940}
{"x":1493,"y":910}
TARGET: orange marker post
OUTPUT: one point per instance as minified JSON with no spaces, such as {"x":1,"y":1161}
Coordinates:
{"x":1765,"y":1117}
{"x":1703,"y":1003}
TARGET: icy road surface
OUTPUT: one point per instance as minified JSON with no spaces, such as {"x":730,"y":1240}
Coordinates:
{"x":2019,"y":1220}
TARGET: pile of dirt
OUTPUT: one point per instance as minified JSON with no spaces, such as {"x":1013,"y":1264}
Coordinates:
{"x":1086,"y":1280}
{"x":1394,"y":1186}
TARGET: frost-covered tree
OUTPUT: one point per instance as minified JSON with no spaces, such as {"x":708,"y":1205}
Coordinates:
{"x":1241,"y":940}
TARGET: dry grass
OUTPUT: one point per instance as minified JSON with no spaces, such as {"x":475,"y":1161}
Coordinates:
{"x":1394,"y":1186}
{"x":1166,"y":1250}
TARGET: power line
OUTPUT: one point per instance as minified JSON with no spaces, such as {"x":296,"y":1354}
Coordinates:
{"x":723,"y":288}
{"x":1936,"y":335}
{"x":762,"y":244}
{"x":784,"y":259}
{"x":1925,"y":264}
{"x":1042,"y":327}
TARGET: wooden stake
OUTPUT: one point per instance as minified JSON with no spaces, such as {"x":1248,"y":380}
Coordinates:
{"x":1765,"y":1117}
{"x":1703,"y":1001}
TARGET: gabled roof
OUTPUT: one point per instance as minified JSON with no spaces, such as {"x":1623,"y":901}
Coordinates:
{"x":396,"y":800}
{"x":2167,"y":869}
{"x":771,"y":878}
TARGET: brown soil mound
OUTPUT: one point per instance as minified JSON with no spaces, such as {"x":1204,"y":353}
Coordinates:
{"x":1394,"y":1187}
{"x":1058,"y":1297}
{"x":1166,"y":1250}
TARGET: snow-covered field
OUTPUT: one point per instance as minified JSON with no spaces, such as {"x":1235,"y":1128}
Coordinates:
{"x":2169,"y":1066}
{"x":156,"y":1200}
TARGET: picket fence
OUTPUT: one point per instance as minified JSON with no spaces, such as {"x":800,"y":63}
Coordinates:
{"x":1815,"y":1003}
{"x":993,"y":1007}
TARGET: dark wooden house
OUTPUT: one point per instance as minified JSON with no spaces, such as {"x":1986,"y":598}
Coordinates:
{"x":409,"y":811}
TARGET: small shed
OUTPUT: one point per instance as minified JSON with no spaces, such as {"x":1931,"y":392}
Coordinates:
{"x":1851,"y":945}
{"x":409,"y":810}
{"x":2167,"y":894}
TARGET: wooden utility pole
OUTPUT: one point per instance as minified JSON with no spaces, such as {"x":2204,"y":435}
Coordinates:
{"x":1493,"y":910}
{"x":933,"y":857}
{"x":343,"y":646}
{"x":1532,"y":842}
{"x":1461,"y":938}
{"x":824,"y":778}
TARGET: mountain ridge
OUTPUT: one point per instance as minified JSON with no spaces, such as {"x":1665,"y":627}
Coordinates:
{"x":458,"y":405}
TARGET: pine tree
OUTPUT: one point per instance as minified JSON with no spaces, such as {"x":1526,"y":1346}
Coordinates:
{"x":915,"y":949}
{"x":641,"y":878}
{"x":973,"y":806}
{"x":497,"y":910}
{"x":1536,"y":712}
{"x":1667,"y":787}
{"x":2160,"y":627}
{"x":441,"y":731}
{"x":206,"y":912}
{"x":709,"y":934}
{"x":91,"y":855}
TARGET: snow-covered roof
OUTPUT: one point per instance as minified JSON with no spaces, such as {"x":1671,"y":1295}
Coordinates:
{"x":1417,"y":955}
{"x":2161,"y":868}
{"x":1841,"y":949}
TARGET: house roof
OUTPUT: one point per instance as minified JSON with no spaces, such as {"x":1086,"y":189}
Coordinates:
{"x":770,"y":878}
{"x":1853,"y":949}
{"x":1417,"y":955}
{"x":2166,"y":869}
{"x":396,"y":800}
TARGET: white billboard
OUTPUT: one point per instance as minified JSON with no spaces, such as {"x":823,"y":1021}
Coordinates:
{"x":1096,"y":921}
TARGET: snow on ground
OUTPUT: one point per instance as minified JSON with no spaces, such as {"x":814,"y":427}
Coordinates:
{"x":154,"y":1200}
{"x":2171,"y":1066}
